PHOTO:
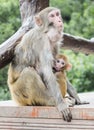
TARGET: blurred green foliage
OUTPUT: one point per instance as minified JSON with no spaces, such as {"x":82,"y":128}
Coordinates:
{"x":78,"y":17}
{"x":82,"y":73}
{"x":9,"y":18}
{"x":9,"y":23}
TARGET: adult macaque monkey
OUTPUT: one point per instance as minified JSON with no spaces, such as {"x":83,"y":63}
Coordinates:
{"x":31,"y":67}
{"x":30,"y":76}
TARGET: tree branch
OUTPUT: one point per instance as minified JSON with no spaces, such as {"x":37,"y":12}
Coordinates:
{"x":78,"y":44}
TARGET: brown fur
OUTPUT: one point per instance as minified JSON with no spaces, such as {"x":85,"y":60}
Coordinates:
{"x":61,"y":78}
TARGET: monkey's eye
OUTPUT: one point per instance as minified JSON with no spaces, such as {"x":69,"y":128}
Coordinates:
{"x":52,"y":15}
{"x":63,"y":63}
{"x":58,"y":61}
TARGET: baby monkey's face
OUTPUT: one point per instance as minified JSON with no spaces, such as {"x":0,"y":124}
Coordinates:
{"x":59,"y":64}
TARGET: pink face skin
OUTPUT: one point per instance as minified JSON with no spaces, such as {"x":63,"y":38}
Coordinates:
{"x":55,"y":18}
{"x":59,"y":64}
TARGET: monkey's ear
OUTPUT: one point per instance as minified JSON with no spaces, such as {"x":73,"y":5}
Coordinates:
{"x":68,"y":67}
{"x":38,"y":20}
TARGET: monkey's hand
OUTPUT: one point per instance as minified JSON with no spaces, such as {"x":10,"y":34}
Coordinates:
{"x":63,"y":108}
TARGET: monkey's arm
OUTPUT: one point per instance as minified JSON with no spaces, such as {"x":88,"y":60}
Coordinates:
{"x":72,"y":92}
{"x":53,"y":87}
{"x":50,"y":80}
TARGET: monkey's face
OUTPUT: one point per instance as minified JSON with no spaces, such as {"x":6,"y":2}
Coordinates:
{"x":54,"y":17}
{"x":59,"y":64}
{"x":48,"y":18}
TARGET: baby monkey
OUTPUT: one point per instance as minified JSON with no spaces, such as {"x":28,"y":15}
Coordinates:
{"x":61,"y":65}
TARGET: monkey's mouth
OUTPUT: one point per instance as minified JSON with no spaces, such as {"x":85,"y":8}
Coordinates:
{"x":57,"y":69}
{"x":60,"y":28}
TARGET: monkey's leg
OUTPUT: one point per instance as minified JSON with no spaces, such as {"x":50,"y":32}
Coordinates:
{"x":41,"y":94}
{"x":30,"y":90}
{"x":72,"y":92}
